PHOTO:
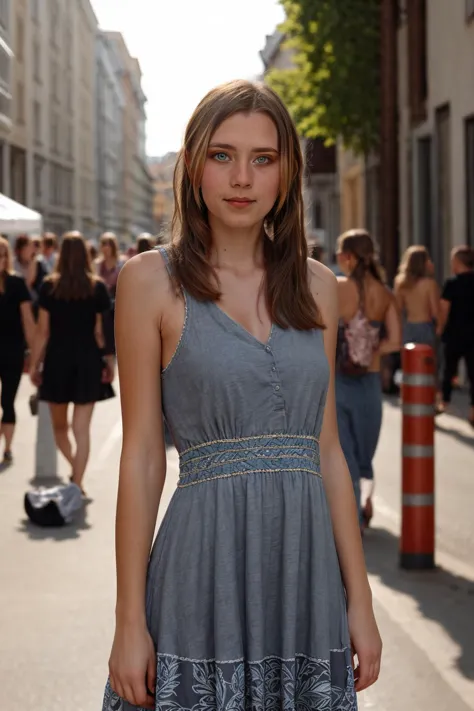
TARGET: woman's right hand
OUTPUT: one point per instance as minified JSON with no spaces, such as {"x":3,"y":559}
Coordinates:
{"x":132,"y":665}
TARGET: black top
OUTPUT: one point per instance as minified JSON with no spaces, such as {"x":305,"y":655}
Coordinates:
{"x":72,"y":321}
{"x":12,"y":338}
{"x":459,"y":291}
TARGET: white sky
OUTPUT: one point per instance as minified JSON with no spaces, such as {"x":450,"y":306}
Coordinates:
{"x":185,"y":47}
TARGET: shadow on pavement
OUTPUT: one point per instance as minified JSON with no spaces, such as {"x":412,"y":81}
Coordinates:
{"x":64,"y":533}
{"x":463,"y":438}
{"x":441,"y":596}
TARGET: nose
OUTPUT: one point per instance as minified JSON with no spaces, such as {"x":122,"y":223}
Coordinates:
{"x":241,"y":176}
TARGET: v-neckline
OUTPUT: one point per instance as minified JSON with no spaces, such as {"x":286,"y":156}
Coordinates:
{"x":242,"y":329}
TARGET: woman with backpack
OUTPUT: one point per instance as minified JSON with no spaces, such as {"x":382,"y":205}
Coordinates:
{"x":369,"y":327}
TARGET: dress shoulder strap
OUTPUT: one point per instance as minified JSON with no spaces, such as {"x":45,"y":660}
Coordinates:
{"x":164,"y":253}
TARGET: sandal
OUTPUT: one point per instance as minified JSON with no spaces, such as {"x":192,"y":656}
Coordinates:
{"x":7,"y":457}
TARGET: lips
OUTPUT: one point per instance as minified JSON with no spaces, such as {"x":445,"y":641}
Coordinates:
{"x":238,"y":201}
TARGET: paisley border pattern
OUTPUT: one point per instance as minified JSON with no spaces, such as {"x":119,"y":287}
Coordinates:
{"x":272,"y":684}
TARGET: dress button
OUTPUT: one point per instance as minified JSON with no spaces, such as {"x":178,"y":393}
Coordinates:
{"x":268,"y":349}
{"x":277,"y":387}
{"x":273,"y":368}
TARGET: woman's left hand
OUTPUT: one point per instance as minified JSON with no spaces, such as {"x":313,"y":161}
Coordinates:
{"x":35,"y":375}
{"x":366,"y":643}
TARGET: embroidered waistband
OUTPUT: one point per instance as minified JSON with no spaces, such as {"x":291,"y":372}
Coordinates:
{"x":224,"y":458}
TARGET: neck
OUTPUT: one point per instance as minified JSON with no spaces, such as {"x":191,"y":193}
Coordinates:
{"x":236,"y":247}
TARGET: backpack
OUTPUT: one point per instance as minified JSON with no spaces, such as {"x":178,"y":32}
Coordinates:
{"x":357,"y":341}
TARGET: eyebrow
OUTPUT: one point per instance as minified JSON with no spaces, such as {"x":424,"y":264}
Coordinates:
{"x":266,"y":149}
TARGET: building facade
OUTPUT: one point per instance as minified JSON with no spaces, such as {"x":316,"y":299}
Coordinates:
{"x":136,"y":183}
{"x":6,"y":81}
{"x":162,"y":171}
{"x":436,"y":129}
{"x":48,"y":151}
{"x":320,"y":184}
{"x":110,"y":107}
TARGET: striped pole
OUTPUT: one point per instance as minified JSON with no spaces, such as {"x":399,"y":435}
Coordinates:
{"x":417,"y":542}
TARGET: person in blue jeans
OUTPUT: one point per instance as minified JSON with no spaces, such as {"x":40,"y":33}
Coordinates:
{"x":369,"y":328}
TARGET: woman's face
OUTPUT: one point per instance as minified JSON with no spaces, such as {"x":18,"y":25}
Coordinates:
{"x":241,"y":177}
{"x":106,"y":249}
{"x":345,"y":262}
{"x":27,"y":253}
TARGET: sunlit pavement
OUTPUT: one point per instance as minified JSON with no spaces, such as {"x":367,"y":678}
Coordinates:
{"x":57,"y":587}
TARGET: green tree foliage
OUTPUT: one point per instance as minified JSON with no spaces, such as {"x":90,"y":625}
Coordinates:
{"x":332,"y":89}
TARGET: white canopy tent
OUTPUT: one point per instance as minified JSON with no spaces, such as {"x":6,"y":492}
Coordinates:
{"x":16,"y":218}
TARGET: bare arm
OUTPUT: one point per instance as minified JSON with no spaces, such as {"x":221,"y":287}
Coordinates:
{"x":434,"y":299}
{"x":143,"y":460}
{"x":28,"y":323}
{"x":40,"y":341}
{"x":340,"y":495}
{"x":393,"y":339}
{"x":398,"y":294}
{"x":444,"y":309}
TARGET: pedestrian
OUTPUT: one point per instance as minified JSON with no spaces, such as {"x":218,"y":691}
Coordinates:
{"x":49,"y":251}
{"x":27,"y":265}
{"x":417,"y":295}
{"x":145,"y":242}
{"x":75,"y":368}
{"x":457,"y":323}
{"x":16,"y":333}
{"x":367,"y":309}
{"x":108,"y":266}
{"x":243,"y":605}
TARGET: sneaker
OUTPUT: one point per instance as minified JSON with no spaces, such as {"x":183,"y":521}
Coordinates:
{"x":7,"y":456}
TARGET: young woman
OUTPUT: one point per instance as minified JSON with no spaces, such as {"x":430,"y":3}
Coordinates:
{"x":16,"y":332}
{"x":366,"y":309}
{"x":72,"y":301}
{"x":108,"y":267}
{"x":256,"y":585}
{"x":418,"y":296}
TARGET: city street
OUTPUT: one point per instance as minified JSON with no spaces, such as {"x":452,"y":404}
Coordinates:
{"x":57,"y":591}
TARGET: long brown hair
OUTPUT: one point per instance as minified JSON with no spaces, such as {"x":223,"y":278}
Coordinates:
{"x":8,"y":269}
{"x":73,"y":277}
{"x":288,"y":295}
{"x":360,"y":244}
{"x":413,"y":267}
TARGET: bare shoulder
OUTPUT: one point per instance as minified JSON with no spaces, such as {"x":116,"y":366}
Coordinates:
{"x":143,"y":275}
{"x":324,"y":288}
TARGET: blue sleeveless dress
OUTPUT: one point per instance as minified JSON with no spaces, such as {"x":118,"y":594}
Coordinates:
{"x":245,"y":601}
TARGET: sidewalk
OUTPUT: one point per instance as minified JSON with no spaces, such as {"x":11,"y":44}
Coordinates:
{"x":57,"y":595}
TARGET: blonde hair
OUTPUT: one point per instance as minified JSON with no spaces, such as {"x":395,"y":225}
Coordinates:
{"x":413,"y":267}
{"x":4,"y":243}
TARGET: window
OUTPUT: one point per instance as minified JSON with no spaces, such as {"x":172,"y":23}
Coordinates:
{"x":20,"y":103}
{"x":317,"y":215}
{"x":37,"y":122}
{"x":425,"y":202}
{"x":37,"y":60}
{"x":4,"y":12}
{"x":54,"y":19}
{"x":35,"y":10}
{"x":54,"y":133}
{"x":54,"y":80}
{"x":38,"y":169}
{"x":469,"y":152}
{"x":20,"y":39}
{"x":69,"y":151}
{"x":469,"y":9}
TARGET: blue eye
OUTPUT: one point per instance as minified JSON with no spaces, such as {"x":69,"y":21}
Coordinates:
{"x":263,"y":160}
{"x":220,"y":157}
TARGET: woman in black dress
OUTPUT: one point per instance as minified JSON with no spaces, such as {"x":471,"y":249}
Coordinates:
{"x":16,"y":331}
{"x":76,"y":368}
